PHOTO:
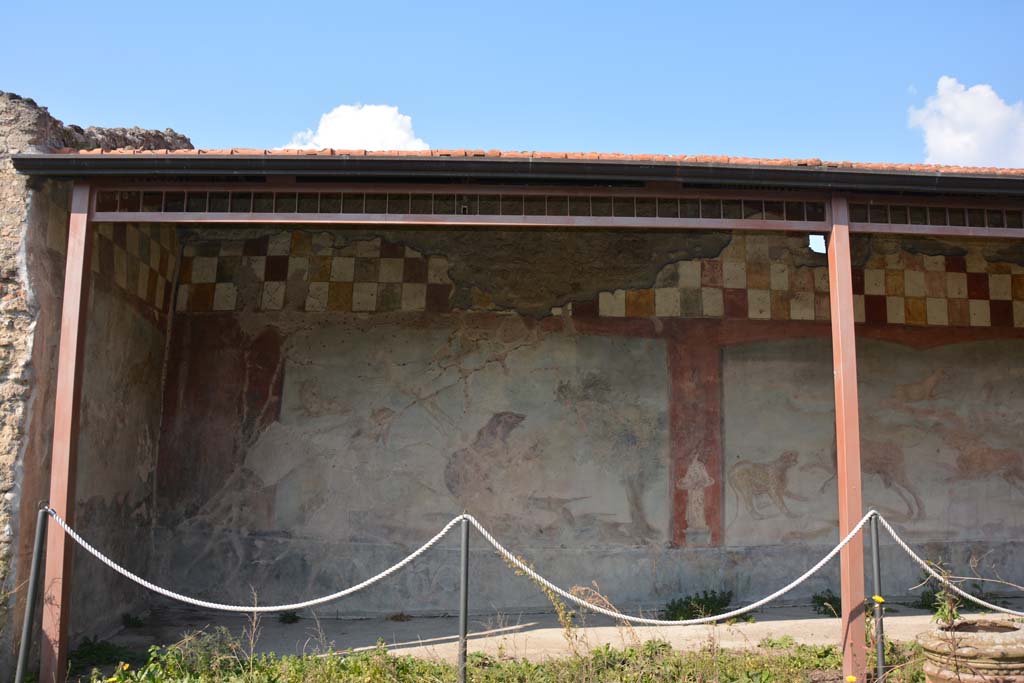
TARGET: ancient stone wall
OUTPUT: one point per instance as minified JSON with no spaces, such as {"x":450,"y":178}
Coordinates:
{"x":333,"y":397}
{"x":33,"y":234}
{"x":19,"y":325}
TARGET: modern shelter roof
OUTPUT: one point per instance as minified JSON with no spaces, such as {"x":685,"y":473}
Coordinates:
{"x":539,"y":167}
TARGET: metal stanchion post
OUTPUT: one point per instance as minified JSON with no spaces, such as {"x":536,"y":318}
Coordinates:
{"x":30,"y":597}
{"x":464,"y":601}
{"x":879,"y":630}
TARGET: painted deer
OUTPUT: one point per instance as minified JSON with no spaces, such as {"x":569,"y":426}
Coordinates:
{"x":887,"y":461}
{"x":975,"y":458}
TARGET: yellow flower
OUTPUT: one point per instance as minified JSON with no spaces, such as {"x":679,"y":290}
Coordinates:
{"x":878,"y":598}
{"x":124,"y":666}
{"x":851,"y":679}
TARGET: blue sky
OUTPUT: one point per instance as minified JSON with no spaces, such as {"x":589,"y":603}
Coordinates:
{"x":828,"y":80}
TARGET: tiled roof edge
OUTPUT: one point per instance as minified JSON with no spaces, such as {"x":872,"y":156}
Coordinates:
{"x":680,"y":159}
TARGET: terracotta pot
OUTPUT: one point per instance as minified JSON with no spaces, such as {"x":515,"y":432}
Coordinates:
{"x":981,"y":651}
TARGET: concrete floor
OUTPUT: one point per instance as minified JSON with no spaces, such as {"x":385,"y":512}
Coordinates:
{"x":531,"y":636}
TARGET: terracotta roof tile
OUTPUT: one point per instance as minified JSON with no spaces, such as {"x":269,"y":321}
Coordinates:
{"x":574,"y":156}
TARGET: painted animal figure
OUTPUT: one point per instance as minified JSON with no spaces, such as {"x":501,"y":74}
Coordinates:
{"x":470,"y":471}
{"x":976,"y":459}
{"x":887,"y":461}
{"x":749,"y":480}
{"x":923,"y":390}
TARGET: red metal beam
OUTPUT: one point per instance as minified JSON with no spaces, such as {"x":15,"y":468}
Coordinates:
{"x":937,"y":230}
{"x":459,"y":220}
{"x":844,"y":365}
{"x":521,"y":221}
{"x":63,"y":460}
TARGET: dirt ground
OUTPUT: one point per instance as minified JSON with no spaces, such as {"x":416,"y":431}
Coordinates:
{"x":531,"y":636}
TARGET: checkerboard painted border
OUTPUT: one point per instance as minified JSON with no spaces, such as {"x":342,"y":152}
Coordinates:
{"x":139,"y":260}
{"x":893,"y":287}
{"x":296,"y":270}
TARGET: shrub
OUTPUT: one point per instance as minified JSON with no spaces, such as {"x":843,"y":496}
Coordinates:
{"x":131,"y":621}
{"x":92,"y":653}
{"x":781,"y":643}
{"x":704,"y":604}
{"x":826,"y":603}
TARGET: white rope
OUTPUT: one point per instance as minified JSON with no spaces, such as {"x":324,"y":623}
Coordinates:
{"x":939,"y":577}
{"x":422,"y":549}
{"x":249,"y":608}
{"x":528,"y":571}
{"x":523,"y":567}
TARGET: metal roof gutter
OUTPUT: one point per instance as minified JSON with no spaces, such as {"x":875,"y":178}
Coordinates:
{"x":518,"y":170}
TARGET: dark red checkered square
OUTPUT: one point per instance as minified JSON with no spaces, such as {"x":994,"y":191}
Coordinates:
{"x":201,"y":298}
{"x":874,"y":308}
{"x":858,"y":280}
{"x":735,"y":301}
{"x":415,"y":270}
{"x":391,"y":250}
{"x":256,"y":246}
{"x":277,"y":268}
{"x":585,"y":309}
{"x":977,"y":285}
{"x":956,"y":264}
{"x":1002,"y":313}
{"x":437,"y":298}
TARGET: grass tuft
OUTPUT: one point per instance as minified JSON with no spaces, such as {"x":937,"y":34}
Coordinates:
{"x":213,"y":657}
{"x":704,"y":604}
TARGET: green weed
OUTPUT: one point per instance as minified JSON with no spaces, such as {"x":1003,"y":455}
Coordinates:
{"x":131,"y":621}
{"x":704,"y":604}
{"x":826,"y":603}
{"x":214,"y":657}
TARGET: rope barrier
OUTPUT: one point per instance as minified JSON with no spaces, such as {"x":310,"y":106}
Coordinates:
{"x":939,"y":577}
{"x":528,"y":571}
{"x":249,"y":609}
{"x":519,"y":564}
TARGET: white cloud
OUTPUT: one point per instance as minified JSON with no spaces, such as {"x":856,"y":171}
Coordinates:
{"x":970,"y":126}
{"x":360,"y":126}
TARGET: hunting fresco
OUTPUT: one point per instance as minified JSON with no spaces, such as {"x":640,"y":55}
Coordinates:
{"x":940,"y":440}
{"x":387,"y":431}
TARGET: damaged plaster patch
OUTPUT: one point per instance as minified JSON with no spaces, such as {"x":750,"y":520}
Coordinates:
{"x":1012,"y":252}
{"x":533,"y":272}
{"x":930,"y":247}
{"x":528,"y":271}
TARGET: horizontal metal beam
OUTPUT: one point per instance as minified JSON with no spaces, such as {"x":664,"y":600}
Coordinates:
{"x":936,"y":230}
{"x":525,"y":169}
{"x":593,"y":222}
{"x":460,"y":221}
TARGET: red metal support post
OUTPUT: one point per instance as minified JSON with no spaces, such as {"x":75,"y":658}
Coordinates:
{"x":63,"y":459}
{"x":844,"y":365}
